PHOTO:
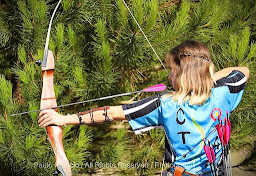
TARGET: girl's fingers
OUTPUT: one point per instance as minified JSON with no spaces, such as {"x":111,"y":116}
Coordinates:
{"x":49,"y":117}
{"x":47,"y":124}
{"x":42,"y":118}
{"x":45,"y":118}
{"x":43,"y":115}
{"x":45,"y":112}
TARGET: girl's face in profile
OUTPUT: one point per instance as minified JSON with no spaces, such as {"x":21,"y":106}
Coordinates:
{"x":171,"y":78}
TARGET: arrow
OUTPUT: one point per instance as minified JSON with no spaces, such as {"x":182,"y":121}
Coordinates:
{"x":155,"y":88}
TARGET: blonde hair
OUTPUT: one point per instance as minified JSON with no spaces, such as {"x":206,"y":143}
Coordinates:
{"x":192,"y":72}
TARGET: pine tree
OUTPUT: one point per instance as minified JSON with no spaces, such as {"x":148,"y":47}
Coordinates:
{"x":99,"y":51}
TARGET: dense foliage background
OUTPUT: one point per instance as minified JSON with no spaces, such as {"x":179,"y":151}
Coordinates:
{"x":100,"y":51}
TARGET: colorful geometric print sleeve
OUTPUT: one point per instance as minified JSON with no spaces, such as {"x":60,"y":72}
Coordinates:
{"x":144,"y":115}
{"x":235,"y":82}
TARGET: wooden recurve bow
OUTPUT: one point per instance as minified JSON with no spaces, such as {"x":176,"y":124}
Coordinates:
{"x":48,"y":100}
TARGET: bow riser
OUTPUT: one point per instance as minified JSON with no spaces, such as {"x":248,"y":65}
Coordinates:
{"x":48,"y":100}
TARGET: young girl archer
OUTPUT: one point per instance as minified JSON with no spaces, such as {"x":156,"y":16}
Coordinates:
{"x":189,"y":115}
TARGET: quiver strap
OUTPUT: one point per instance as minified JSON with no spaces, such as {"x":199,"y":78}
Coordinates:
{"x":179,"y":171}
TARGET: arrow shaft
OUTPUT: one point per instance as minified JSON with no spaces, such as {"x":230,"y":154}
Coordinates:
{"x":81,"y":102}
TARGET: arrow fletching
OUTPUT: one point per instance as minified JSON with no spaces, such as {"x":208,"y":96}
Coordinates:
{"x":155,"y":88}
{"x":209,"y":152}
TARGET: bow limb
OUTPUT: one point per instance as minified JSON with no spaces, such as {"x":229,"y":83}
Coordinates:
{"x":48,"y":100}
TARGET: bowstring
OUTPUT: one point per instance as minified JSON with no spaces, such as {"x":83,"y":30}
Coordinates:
{"x":153,"y":51}
{"x":144,"y":34}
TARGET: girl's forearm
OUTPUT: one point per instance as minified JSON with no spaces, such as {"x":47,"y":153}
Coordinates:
{"x":96,"y":117}
{"x":113,"y":113}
